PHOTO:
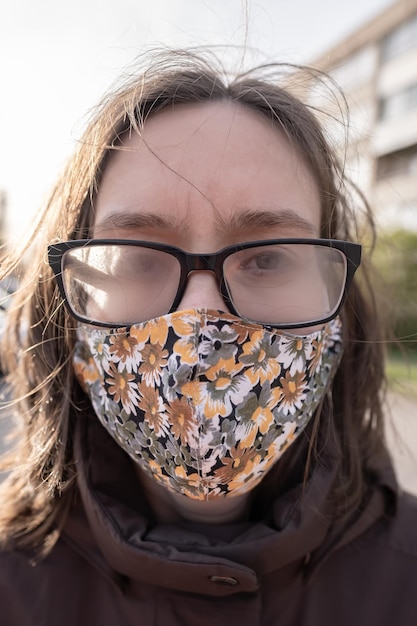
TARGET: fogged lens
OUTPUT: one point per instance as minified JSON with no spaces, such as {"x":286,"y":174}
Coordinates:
{"x":120,"y":284}
{"x":286,"y":283}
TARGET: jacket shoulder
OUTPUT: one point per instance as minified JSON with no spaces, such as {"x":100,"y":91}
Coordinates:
{"x":371,"y":579}
{"x":19,"y":589}
{"x":399,"y":533}
{"x":30,"y":593}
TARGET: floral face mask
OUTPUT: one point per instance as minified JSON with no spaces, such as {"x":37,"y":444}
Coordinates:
{"x":204,"y":401}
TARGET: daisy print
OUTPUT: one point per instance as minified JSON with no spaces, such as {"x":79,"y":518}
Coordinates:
{"x":87,"y":369}
{"x":294,"y":352}
{"x":155,"y":331}
{"x":102,"y":403}
{"x":187,"y":328}
{"x":218,"y":344}
{"x":125,"y":433}
{"x":242,"y":331}
{"x":251,"y":471}
{"x":180,"y":415}
{"x":205,"y":402}
{"x":288,"y":435}
{"x":122,"y":387}
{"x":261,"y":355}
{"x":188,"y":481}
{"x":222,"y":436}
{"x":158,"y":330}
{"x":124,"y":351}
{"x":333,"y":337}
{"x":224,"y":387}
{"x":100,"y":349}
{"x":255,"y":415}
{"x":233,"y":464}
{"x":152,"y":406}
{"x":315,"y":360}
{"x":146,"y":436}
{"x":293,"y":392}
{"x":173,"y":377}
{"x":154,"y":359}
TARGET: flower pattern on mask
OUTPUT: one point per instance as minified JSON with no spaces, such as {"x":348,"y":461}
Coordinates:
{"x":204,"y":401}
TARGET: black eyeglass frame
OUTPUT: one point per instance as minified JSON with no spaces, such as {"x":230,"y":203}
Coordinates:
{"x":212,"y":262}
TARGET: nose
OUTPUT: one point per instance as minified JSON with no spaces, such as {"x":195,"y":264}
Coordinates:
{"x":202,"y":291}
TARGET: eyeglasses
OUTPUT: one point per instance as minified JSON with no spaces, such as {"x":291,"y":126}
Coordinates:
{"x":284,"y":283}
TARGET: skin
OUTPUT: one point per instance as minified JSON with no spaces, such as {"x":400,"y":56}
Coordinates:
{"x":201,"y":177}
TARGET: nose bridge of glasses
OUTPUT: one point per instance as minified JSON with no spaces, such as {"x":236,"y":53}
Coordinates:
{"x":201,"y":280}
{"x":201,"y":262}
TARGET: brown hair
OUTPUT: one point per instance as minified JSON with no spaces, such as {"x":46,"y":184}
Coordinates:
{"x":38,"y":346}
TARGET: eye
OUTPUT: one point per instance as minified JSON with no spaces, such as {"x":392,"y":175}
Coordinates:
{"x":264,"y":261}
{"x":261,"y":261}
{"x":142,"y":262}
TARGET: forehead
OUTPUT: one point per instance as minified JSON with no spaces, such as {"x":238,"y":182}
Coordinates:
{"x":206,"y":163}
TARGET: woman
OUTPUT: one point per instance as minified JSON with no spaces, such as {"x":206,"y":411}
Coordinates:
{"x":200,"y":384}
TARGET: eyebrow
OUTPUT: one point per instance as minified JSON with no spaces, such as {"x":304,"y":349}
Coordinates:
{"x":246,"y":219}
{"x":135,"y":221}
{"x":266,"y":218}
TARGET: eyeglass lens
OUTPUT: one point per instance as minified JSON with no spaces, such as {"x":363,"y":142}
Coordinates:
{"x":273,"y":284}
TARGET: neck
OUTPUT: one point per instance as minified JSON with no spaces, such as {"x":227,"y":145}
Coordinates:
{"x":169,"y":507}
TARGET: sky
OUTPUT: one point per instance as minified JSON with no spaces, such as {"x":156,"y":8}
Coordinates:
{"x":58,"y":58}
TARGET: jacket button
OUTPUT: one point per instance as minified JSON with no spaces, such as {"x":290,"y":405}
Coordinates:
{"x":224,"y":580}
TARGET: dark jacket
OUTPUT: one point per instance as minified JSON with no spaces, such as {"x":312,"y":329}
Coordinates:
{"x":113,"y":566}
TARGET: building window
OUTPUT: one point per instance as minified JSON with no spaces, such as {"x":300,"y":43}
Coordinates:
{"x":400,"y":163}
{"x":400,"y":40}
{"x":399,"y":103}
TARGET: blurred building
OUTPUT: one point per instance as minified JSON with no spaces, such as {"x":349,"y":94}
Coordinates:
{"x":376,"y":66}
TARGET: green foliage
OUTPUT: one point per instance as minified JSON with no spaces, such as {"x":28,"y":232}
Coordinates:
{"x":396,"y":260}
{"x":402,"y":373}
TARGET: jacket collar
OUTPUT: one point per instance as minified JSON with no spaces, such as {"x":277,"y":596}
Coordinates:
{"x":122,"y":540}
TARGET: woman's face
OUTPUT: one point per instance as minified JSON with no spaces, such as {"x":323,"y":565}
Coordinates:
{"x":202,"y":177}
